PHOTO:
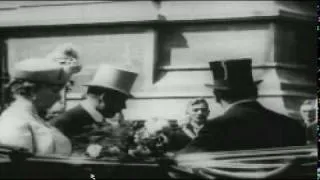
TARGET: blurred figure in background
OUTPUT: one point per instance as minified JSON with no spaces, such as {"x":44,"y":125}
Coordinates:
{"x":308,"y":111}
{"x":197,"y":114}
{"x":35,"y":87}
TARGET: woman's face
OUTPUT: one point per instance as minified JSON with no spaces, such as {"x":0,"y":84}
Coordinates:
{"x":47,"y":95}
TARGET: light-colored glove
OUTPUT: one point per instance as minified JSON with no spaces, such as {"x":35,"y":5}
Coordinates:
{"x":94,"y":150}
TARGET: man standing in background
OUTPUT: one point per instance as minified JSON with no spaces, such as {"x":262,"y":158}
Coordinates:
{"x":197,"y":113}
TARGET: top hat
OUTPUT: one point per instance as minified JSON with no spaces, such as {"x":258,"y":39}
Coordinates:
{"x":114,"y":78}
{"x":232,"y":74}
{"x":40,"y":70}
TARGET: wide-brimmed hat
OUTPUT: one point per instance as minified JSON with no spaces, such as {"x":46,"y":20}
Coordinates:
{"x":114,"y":78}
{"x":40,"y":70}
{"x":232,"y":74}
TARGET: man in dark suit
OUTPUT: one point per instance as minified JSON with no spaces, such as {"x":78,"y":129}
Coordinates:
{"x":85,"y":124}
{"x":245,"y":124}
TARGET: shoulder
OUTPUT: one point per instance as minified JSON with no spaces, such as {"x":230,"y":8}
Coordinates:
{"x":219,"y":120}
{"x":13,"y":123}
{"x":285,"y":119}
{"x":11,"y":117}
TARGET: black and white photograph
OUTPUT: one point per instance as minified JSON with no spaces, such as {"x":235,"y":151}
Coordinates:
{"x":159,"y":89}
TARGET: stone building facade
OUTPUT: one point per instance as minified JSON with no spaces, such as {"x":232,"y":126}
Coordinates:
{"x":170,"y":43}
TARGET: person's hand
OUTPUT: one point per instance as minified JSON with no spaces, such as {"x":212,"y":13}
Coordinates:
{"x":94,"y":150}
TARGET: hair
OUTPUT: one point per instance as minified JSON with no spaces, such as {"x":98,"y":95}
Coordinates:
{"x":233,"y":95}
{"x":196,"y":101}
{"x":22,"y":87}
{"x":98,"y":91}
{"x":309,"y":102}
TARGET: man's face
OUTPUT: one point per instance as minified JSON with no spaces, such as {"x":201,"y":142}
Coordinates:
{"x":308,"y":113}
{"x":198,"y":113}
{"x":111,"y":104}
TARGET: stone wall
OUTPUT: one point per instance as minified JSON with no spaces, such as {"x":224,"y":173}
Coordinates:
{"x":170,"y":44}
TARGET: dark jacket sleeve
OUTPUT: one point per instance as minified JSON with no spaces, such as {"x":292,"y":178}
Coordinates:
{"x":61,"y":122}
{"x":177,"y":139}
{"x":210,"y":138}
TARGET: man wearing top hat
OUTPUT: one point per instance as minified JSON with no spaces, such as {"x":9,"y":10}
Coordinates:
{"x":245,"y":124}
{"x":85,"y":124}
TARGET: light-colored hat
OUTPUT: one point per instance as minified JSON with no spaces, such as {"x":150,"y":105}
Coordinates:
{"x":40,"y":70}
{"x":114,"y":78}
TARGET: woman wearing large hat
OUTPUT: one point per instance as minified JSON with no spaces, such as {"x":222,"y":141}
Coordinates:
{"x":36,"y":86}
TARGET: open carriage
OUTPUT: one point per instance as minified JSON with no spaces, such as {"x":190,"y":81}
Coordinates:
{"x":288,"y":162}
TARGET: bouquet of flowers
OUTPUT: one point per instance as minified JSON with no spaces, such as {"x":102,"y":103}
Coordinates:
{"x":149,"y":140}
{"x":138,"y":141}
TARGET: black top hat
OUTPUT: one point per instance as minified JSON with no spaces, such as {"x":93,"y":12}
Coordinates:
{"x":232,"y":74}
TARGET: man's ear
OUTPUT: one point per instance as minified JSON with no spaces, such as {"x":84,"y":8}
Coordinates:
{"x":102,"y":97}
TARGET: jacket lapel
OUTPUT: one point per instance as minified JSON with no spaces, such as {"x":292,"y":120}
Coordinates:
{"x":188,"y":130}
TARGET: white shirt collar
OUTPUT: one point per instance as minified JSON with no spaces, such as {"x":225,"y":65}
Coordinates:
{"x":239,"y":102}
{"x":196,"y":126}
{"x":96,"y":116}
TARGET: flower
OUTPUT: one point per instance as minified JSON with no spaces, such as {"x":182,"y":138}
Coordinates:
{"x":66,"y":55}
{"x":150,"y":139}
{"x":93,"y":150}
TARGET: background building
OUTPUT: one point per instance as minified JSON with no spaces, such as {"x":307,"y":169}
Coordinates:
{"x":170,"y":44}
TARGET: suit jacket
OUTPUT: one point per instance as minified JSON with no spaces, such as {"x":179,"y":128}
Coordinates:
{"x":248,"y":126}
{"x":82,"y":129}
